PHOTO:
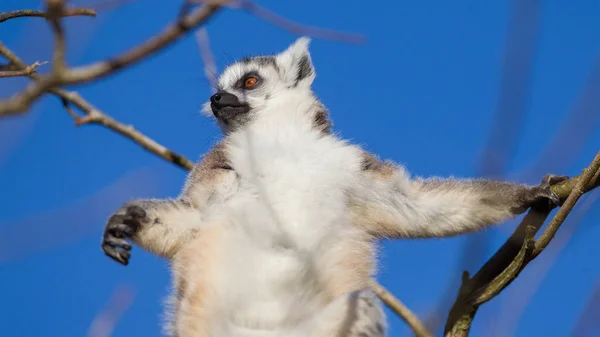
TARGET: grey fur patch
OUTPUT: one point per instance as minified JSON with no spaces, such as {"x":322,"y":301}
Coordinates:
{"x":321,"y":121}
{"x":304,"y":69}
{"x":365,"y":317}
{"x":350,"y":315}
{"x":372,"y":163}
{"x":261,"y":61}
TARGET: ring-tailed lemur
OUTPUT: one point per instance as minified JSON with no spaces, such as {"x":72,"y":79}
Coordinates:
{"x":274,"y":233}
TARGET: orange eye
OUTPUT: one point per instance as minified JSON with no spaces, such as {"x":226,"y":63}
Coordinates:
{"x":250,"y":82}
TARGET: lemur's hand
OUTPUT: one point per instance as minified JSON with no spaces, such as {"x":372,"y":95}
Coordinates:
{"x":122,"y":225}
{"x":542,"y":195}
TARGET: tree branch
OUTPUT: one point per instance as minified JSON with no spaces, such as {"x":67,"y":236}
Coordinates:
{"x":32,"y":13}
{"x":23,"y":72}
{"x":93,"y":115}
{"x":401,"y":310}
{"x":520,"y":249}
{"x":60,"y":76}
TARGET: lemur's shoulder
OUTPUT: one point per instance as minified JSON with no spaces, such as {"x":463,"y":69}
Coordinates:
{"x":378,"y":168}
{"x":210,"y":174}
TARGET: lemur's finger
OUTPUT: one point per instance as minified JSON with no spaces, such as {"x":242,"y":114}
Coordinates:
{"x":117,"y":242}
{"x":136,"y":212}
{"x":120,"y":230}
{"x":120,"y":256}
{"x":551,"y":179}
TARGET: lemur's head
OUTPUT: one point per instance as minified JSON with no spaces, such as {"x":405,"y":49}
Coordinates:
{"x":249,"y":86}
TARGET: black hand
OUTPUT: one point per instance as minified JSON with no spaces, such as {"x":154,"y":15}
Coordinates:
{"x":120,"y":227}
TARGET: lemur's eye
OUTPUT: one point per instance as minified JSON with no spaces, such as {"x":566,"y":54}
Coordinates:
{"x":250,"y":82}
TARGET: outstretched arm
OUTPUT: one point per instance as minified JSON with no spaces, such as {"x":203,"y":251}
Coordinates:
{"x":163,"y":226}
{"x":390,"y":204}
{"x":159,"y":226}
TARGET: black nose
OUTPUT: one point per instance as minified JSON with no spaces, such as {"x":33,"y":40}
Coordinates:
{"x":215,"y":98}
{"x":222,"y":99}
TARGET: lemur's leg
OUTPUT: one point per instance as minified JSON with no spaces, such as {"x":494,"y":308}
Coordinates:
{"x":390,"y":204}
{"x":159,"y":226}
{"x":357,"y":314}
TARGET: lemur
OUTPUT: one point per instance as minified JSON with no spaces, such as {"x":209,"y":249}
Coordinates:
{"x":275,"y":230}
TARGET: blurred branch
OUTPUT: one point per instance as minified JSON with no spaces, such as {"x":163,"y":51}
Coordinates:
{"x":60,"y":76}
{"x":401,"y":310}
{"x":520,"y":249}
{"x":94,"y":115}
{"x":588,"y":324}
{"x":33,"y":13}
{"x":505,"y":130}
{"x":101,"y":5}
{"x":105,"y":322}
{"x":210,"y":67}
{"x":23,"y":72}
{"x":572,"y":135}
{"x":293,"y":27}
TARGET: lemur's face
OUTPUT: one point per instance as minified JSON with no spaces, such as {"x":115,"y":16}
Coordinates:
{"x":247,"y":86}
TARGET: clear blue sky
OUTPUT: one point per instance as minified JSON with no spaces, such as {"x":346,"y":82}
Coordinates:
{"x":421,"y":91}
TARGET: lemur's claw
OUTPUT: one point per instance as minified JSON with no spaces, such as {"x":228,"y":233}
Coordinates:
{"x":122,"y":226}
{"x":551,"y":179}
{"x":542,"y":195}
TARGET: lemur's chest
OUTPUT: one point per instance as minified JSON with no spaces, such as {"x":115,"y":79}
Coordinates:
{"x":302,"y":176}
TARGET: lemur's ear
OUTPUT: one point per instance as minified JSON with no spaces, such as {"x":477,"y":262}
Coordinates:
{"x":295,"y":63}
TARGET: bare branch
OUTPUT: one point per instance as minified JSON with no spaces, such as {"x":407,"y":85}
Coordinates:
{"x":169,"y":35}
{"x":109,"y":4}
{"x":32,"y":13}
{"x":105,"y":322}
{"x":55,"y":9}
{"x":582,"y":184}
{"x":520,"y":249}
{"x":521,"y":293}
{"x":24,"y":72}
{"x":93,"y":115}
{"x":60,"y":75}
{"x":210,"y":67}
{"x":294,"y":27}
{"x":587,"y":325}
{"x":568,"y":141}
{"x":401,"y":310}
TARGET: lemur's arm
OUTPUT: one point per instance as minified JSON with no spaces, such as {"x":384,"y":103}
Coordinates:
{"x":390,"y":204}
{"x":162,"y":226}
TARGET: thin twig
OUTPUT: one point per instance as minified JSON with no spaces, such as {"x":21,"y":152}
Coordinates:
{"x":210,"y":67}
{"x":24,"y":72}
{"x":587,"y":324}
{"x":401,"y":310}
{"x":40,"y":14}
{"x":105,"y":322}
{"x":102,"y":5}
{"x":294,"y":27}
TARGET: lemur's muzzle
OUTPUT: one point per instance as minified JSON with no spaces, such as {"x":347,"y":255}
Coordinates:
{"x":226,"y":106}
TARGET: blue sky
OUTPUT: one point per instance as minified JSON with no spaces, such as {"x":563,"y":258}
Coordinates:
{"x":422,"y":91}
